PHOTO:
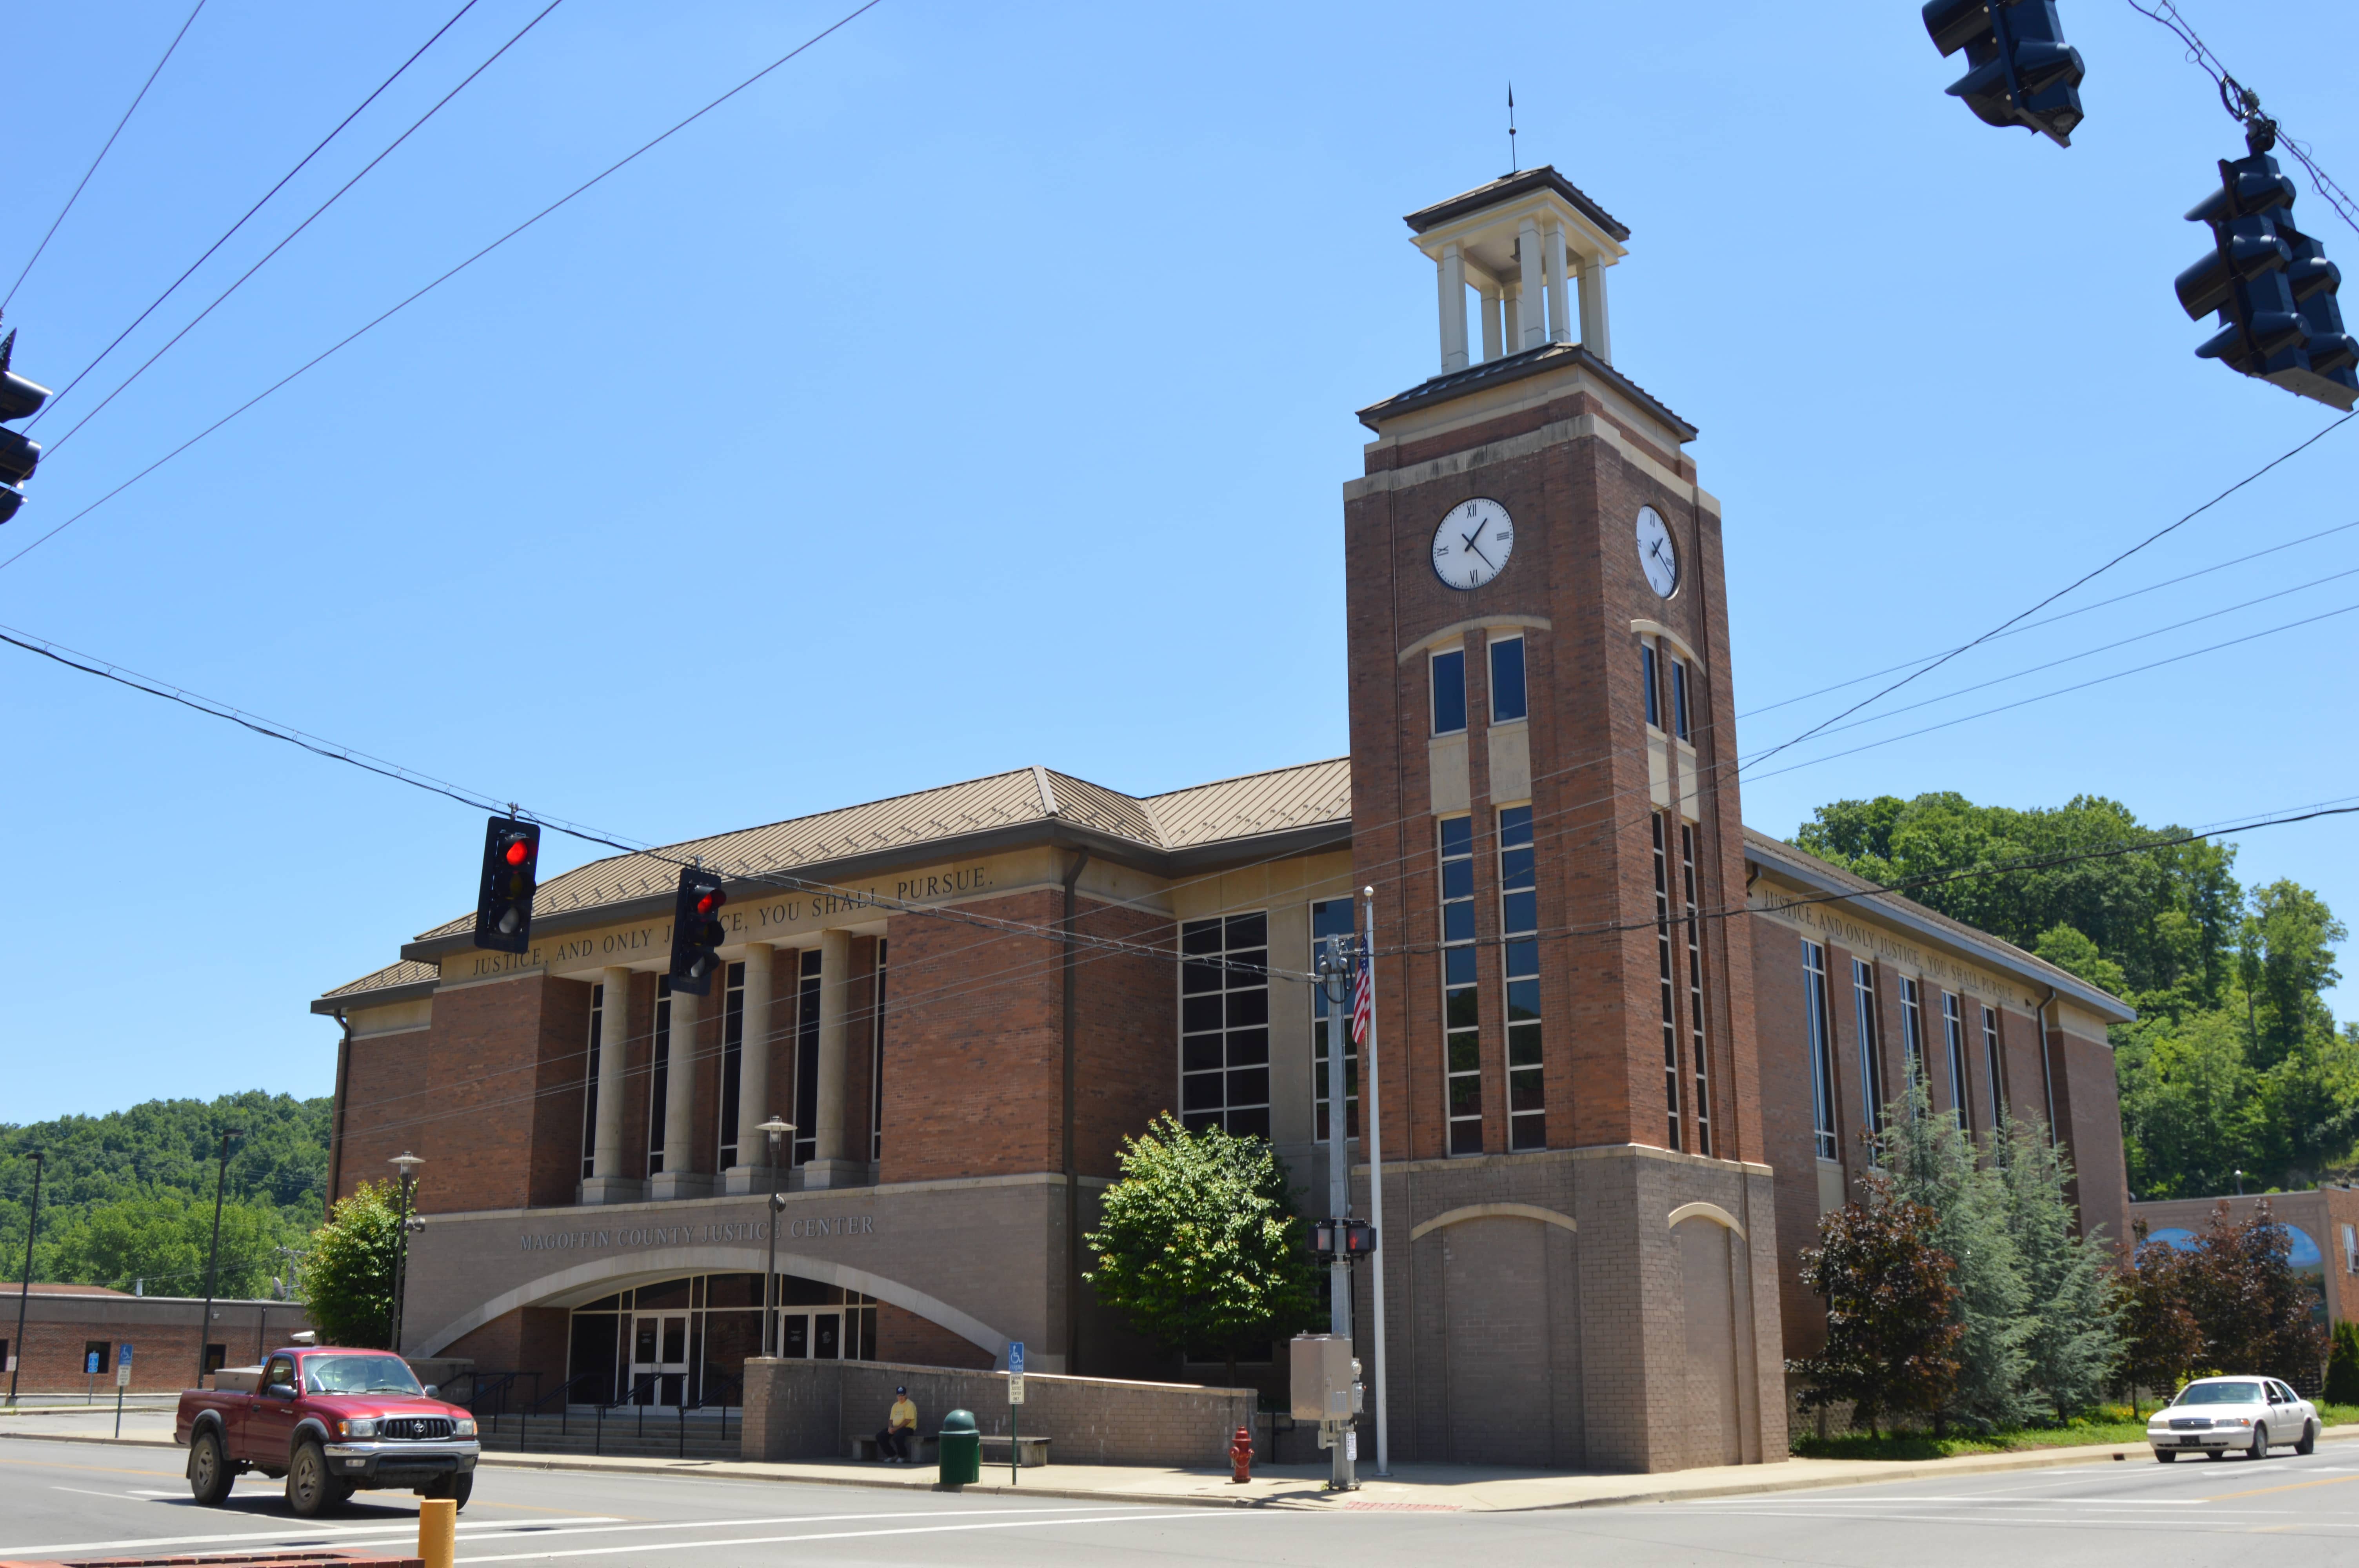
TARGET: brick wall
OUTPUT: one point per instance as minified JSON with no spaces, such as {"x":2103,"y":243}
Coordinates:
{"x":161,"y":1330}
{"x":902,"y":1336}
{"x":811,"y":1410}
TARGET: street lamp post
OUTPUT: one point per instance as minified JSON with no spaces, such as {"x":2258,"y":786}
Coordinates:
{"x":2240,"y":1183}
{"x":25,"y":1281}
{"x":213,"y":1262}
{"x":407,"y":1163}
{"x":776,"y":1129}
{"x":1334,"y":977}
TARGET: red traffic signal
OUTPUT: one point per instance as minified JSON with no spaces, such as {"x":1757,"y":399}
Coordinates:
{"x":518,"y":851}
{"x":696,"y":932}
{"x":511,"y":867}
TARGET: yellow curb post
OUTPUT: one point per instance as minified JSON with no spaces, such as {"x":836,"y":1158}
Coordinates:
{"x":437,"y":1532}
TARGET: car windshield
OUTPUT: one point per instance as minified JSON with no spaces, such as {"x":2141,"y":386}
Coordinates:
{"x":358,"y":1374}
{"x":2219,"y":1394}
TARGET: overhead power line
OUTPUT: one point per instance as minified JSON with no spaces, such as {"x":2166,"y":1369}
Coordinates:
{"x":138,"y":98}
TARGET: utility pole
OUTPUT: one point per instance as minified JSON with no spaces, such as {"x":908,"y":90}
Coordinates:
{"x":1334,"y":966}
{"x":25,"y":1282}
{"x":213,"y":1262}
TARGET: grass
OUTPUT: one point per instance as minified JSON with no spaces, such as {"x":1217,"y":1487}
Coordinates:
{"x":2107,"y":1424}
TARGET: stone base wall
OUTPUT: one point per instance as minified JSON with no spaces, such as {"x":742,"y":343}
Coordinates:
{"x":812,"y":1409}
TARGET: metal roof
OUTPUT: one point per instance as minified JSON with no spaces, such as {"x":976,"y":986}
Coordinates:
{"x":1515,"y":367}
{"x":1506,"y":188}
{"x":407,"y":972}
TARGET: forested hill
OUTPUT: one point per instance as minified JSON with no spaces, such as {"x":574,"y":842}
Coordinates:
{"x":128,"y":1196}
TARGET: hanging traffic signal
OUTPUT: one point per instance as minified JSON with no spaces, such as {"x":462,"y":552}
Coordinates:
{"x":511,"y":876}
{"x":18,"y":453}
{"x":2271,"y":284}
{"x":2019,"y":70}
{"x":696,"y":930}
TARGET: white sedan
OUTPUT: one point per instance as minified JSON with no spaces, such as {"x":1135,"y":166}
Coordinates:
{"x":2212,"y":1415}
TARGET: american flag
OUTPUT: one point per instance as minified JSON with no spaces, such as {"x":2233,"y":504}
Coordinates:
{"x":1364,"y":1001}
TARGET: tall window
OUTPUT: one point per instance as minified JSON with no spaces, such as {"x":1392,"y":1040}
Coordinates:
{"x":1330,"y":918}
{"x":1519,"y":925}
{"x":1991,"y":1065}
{"x":1506,"y":679}
{"x":1680,"y":699}
{"x":1871,"y":1061}
{"x":1820,"y":1035}
{"x":589,"y":1088}
{"x":1668,"y":986}
{"x":1224,"y":1024}
{"x":1450,"y":692}
{"x":1698,"y":1057}
{"x":1912,"y":1042}
{"x":877,"y":1063}
{"x":659,"y":1077}
{"x":1461,"y":1008}
{"x":807,"y":990}
{"x":1653,"y":683}
{"x":732,"y":1053}
{"x":1953,"y":1034}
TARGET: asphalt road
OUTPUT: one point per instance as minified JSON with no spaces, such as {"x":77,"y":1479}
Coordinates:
{"x":65,"y":1499}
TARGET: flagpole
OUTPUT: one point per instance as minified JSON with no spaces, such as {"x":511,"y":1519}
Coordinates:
{"x":1375,"y":1131}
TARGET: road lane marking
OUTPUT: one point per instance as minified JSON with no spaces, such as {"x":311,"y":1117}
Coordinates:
{"x":844,"y":1535}
{"x":86,"y":1491}
{"x":2289,"y":1487}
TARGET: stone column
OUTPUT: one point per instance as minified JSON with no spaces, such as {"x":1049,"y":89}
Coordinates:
{"x":1452,"y":273}
{"x":751,"y":1174}
{"x":1593,"y":308}
{"x":679,"y":1178}
{"x":830,"y":1166}
{"x":1560,"y":314}
{"x":1535,"y":289}
{"x":606,"y":1182}
{"x":1511,"y":311}
{"x":1491,"y":347}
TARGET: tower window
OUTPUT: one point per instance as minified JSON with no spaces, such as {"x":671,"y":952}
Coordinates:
{"x":1507,"y":680}
{"x":1224,"y":1024}
{"x":590,"y":1084}
{"x":807,"y":989}
{"x":659,"y":1075}
{"x":732,"y":1054}
{"x":1330,"y":918}
{"x":1953,"y":1035}
{"x":1462,"y":1010}
{"x":1991,"y":1065}
{"x":1519,"y":933}
{"x":1699,"y":1058}
{"x":1822,"y":1047}
{"x":1654,"y":689}
{"x":1871,"y":1064}
{"x":1669,"y":987}
{"x":1680,"y":699}
{"x":1450,"y":692}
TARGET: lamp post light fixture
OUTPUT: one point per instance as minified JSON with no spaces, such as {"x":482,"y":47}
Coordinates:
{"x":2240,"y":1183}
{"x":776,"y":1129}
{"x":213,"y":1262}
{"x":24,"y":1280}
{"x":407,"y":1164}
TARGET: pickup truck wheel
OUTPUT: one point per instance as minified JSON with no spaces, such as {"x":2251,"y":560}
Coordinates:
{"x":2260,"y":1448}
{"x":2309,"y":1444}
{"x":310,"y":1491}
{"x":210,"y":1474}
{"x":462,"y":1488}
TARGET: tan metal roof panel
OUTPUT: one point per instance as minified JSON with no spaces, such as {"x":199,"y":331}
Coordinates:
{"x":1255,"y":804}
{"x":405,"y":973}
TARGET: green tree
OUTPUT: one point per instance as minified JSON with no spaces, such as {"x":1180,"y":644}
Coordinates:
{"x":1198,"y":1244}
{"x":2285,"y":963}
{"x":2343,"y":1364}
{"x":2192,"y":1113}
{"x":2074,"y":1342}
{"x":2161,"y":1341}
{"x":2254,"y":1314}
{"x":1892,"y":1327}
{"x":161,"y":1240}
{"x":348,"y":1278}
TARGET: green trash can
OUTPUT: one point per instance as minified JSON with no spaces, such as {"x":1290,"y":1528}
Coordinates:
{"x":960,"y":1447}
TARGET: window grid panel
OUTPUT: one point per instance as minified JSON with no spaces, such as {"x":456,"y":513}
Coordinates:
{"x":590,"y":1085}
{"x":1646,"y":676}
{"x":1449,"y":679}
{"x":1668,"y":986}
{"x":1508,"y":699}
{"x":1700,"y":1058}
{"x":807,"y":989}
{"x":1680,"y":699}
{"x":1953,"y":1035}
{"x":1871,"y":1063}
{"x":1330,"y":918}
{"x":659,"y":1075}
{"x":1462,"y":1008}
{"x":733,"y":1056}
{"x":1520,"y":926}
{"x":1912,"y":1042}
{"x":1991,"y":1067}
{"x":1821,"y":1048}
{"x":876,"y":1064}
{"x":1224,"y":1024}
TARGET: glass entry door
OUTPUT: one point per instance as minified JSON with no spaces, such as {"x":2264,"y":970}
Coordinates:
{"x":812,"y":1336}
{"x":659,"y":1358}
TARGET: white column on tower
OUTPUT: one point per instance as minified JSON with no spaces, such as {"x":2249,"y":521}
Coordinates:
{"x":1559,"y":315}
{"x":1593,"y":308}
{"x":1451,"y":271}
{"x":1491,"y":345}
{"x":1533,"y":316}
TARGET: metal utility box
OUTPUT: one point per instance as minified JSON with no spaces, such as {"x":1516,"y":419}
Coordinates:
{"x":1324,"y":1379}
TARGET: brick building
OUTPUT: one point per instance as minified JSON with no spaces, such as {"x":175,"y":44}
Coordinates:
{"x":1629,"y":1050}
{"x":66,"y":1326}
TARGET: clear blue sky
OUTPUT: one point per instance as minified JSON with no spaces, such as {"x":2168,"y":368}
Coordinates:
{"x":976,"y":391}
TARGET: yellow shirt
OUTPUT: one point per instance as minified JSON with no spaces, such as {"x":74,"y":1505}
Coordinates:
{"x":905,"y":1414}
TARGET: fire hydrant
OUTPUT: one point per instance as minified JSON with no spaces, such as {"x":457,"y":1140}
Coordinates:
{"x":1241,"y":1455}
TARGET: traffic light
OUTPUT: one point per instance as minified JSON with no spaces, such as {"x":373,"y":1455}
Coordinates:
{"x":511,"y":876}
{"x":2271,"y":284}
{"x":696,"y":930}
{"x":2019,"y":70}
{"x":18,"y":453}
{"x":1343,"y":1237}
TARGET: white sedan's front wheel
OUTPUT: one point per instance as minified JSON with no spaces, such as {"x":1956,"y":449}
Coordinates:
{"x":2163,"y":1455}
{"x":2260,"y":1448}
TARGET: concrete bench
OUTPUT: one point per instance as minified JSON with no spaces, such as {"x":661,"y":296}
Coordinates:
{"x":921,"y":1448}
{"x":1030,"y":1452}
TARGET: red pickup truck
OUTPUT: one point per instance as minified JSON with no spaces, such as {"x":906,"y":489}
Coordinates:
{"x":332,"y":1421}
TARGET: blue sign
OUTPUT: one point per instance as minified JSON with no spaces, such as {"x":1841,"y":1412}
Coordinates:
{"x":1016,"y":1358}
{"x":126,"y":1353}
{"x":89,"y":1363}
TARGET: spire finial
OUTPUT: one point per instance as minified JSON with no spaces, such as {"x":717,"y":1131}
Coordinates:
{"x":1513,"y":167}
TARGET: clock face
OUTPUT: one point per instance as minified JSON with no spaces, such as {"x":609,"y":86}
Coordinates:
{"x":1473,"y":543}
{"x":1656,"y":554}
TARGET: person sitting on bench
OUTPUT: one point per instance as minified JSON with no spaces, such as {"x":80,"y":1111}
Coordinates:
{"x":893,"y":1443}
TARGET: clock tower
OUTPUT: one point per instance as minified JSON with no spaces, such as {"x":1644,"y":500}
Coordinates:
{"x":1544,"y":797}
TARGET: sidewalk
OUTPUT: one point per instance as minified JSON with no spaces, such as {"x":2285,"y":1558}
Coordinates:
{"x":1411,"y":1488}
